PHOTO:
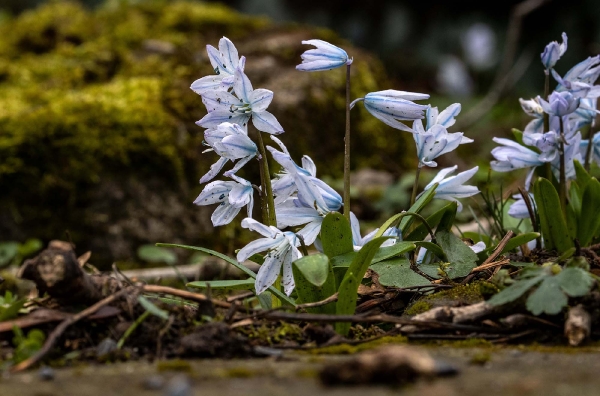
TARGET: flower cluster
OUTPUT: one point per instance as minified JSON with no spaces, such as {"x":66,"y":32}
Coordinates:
{"x":554,"y":135}
{"x":296,"y":201}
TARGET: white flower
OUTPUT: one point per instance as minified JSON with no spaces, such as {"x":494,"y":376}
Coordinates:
{"x":513,"y":156}
{"x":452,"y":188}
{"x":231,"y":142}
{"x":282,"y":250}
{"x":250,"y":103}
{"x":231,"y":196}
{"x":224,"y":62}
{"x":436,"y":140}
{"x":359,"y":241}
{"x":518,"y":209}
{"x":325,"y":57}
{"x":391,"y":107}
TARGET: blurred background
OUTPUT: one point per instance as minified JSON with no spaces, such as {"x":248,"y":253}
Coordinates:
{"x":97,"y":137}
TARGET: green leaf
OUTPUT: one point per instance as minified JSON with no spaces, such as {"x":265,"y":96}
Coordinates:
{"x":8,"y":251}
{"x":576,"y":282}
{"x":447,"y":220}
{"x":153,"y":309}
{"x":417,"y":207}
{"x":420,"y":232}
{"x":516,"y":290}
{"x":384,"y":253}
{"x":246,"y":284}
{"x":336,"y":235}
{"x":589,"y":221}
{"x":347,"y":292}
{"x":552,"y":221}
{"x":278,"y":293}
{"x":155,"y":254}
{"x":461,"y":258}
{"x":518,"y":136}
{"x":397,"y":273}
{"x":30,"y":247}
{"x":314,"y":281}
{"x":520,"y":240}
{"x":547,"y":298}
{"x":11,"y":310}
{"x":432,"y":248}
{"x":583,"y":177}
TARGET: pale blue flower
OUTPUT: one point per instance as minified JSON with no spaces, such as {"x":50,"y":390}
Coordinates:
{"x":586,"y":71}
{"x":232,"y":143}
{"x":518,"y":209}
{"x":533,"y":109}
{"x":231,"y":196}
{"x":391,"y":107}
{"x":311,"y":191}
{"x":325,"y":57}
{"x":553,"y":52}
{"x":547,"y":143}
{"x":572,"y":153}
{"x":560,"y":104}
{"x":252,"y":103}
{"x":436,"y":140}
{"x":359,"y":241}
{"x":452,"y":188}
{"x":282,"y":248}
{"x":511,"y":155}
{"x":224,"y":62}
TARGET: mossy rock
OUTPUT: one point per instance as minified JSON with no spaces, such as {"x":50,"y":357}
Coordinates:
{"x":97,"y":133}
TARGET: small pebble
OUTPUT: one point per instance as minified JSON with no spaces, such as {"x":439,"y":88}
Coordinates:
{"x":154,"y":383}
{"x":105,"y":347}
{"x":179,"y":386}
{"x":46,"y":373}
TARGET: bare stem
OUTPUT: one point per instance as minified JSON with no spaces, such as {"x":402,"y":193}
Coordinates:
{"x":562,"y":182}
{"x":546,"y":93}
{"x":267,"y":201}
{"x":588,"y":152}
{"x":413,"y":197}
{"x":347,"y":149}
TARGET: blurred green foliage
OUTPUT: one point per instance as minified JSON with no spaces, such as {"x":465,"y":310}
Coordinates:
{"x":90,"y":98}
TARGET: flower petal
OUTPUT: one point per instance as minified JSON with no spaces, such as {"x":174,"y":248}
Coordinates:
{"x":266,"y":122}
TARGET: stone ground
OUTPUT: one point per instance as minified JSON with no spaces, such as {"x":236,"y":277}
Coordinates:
{"x":512,"y":371}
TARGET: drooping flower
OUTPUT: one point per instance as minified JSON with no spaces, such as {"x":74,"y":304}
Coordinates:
{"x":282,"y":248}
{"x":224,"y":62}
{"x":391,"y":107}
{"x":325,"y":57}
{"x":580,"y":79}
{"x":250,"y":103}
{"x":231,"y":196}
{"x":452,"y":188}
{"x":547,"y":143}
{"x":360,"y":241}
{"x":560,"y":104}
{"x":553,"y":52}
{"x":436,"y":140}
{"x":232,"y":143}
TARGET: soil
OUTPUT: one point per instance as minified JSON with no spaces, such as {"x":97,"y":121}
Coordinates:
{"x":483,"y":371}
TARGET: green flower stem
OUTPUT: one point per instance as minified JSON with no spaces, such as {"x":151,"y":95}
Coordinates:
{"x":267,"y":201}
{"x":562,"y":181}
{"x":347,"y":149}
{"x":413,"y":197}
{"x":588,"y":152}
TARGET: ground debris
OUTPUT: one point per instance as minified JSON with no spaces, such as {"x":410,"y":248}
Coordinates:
{"x":214,"y":339}
{"x":390,"y":364}
{"x":578,"y":325}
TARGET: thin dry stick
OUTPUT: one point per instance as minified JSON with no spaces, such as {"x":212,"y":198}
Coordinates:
{"x":492,"y":256}
{"x":184,"y":294}
{"x":60,"y":329}
{"x":330,"y":299}
{"x":484,"y":267}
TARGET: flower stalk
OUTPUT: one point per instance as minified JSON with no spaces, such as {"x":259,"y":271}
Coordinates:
{"x":562,"y":181}
{"x":347,"y":148}
{"x":267,"y":200}
{"x":413,"y":196}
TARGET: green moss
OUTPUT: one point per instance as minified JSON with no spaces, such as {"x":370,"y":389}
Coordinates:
{"x":174,"y":365}
{"x":472,"y":343}
{"x":480,"y":358}
{"x":418,"y":307}
{"x":347,"y":349}
{"x":240,"y":372}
